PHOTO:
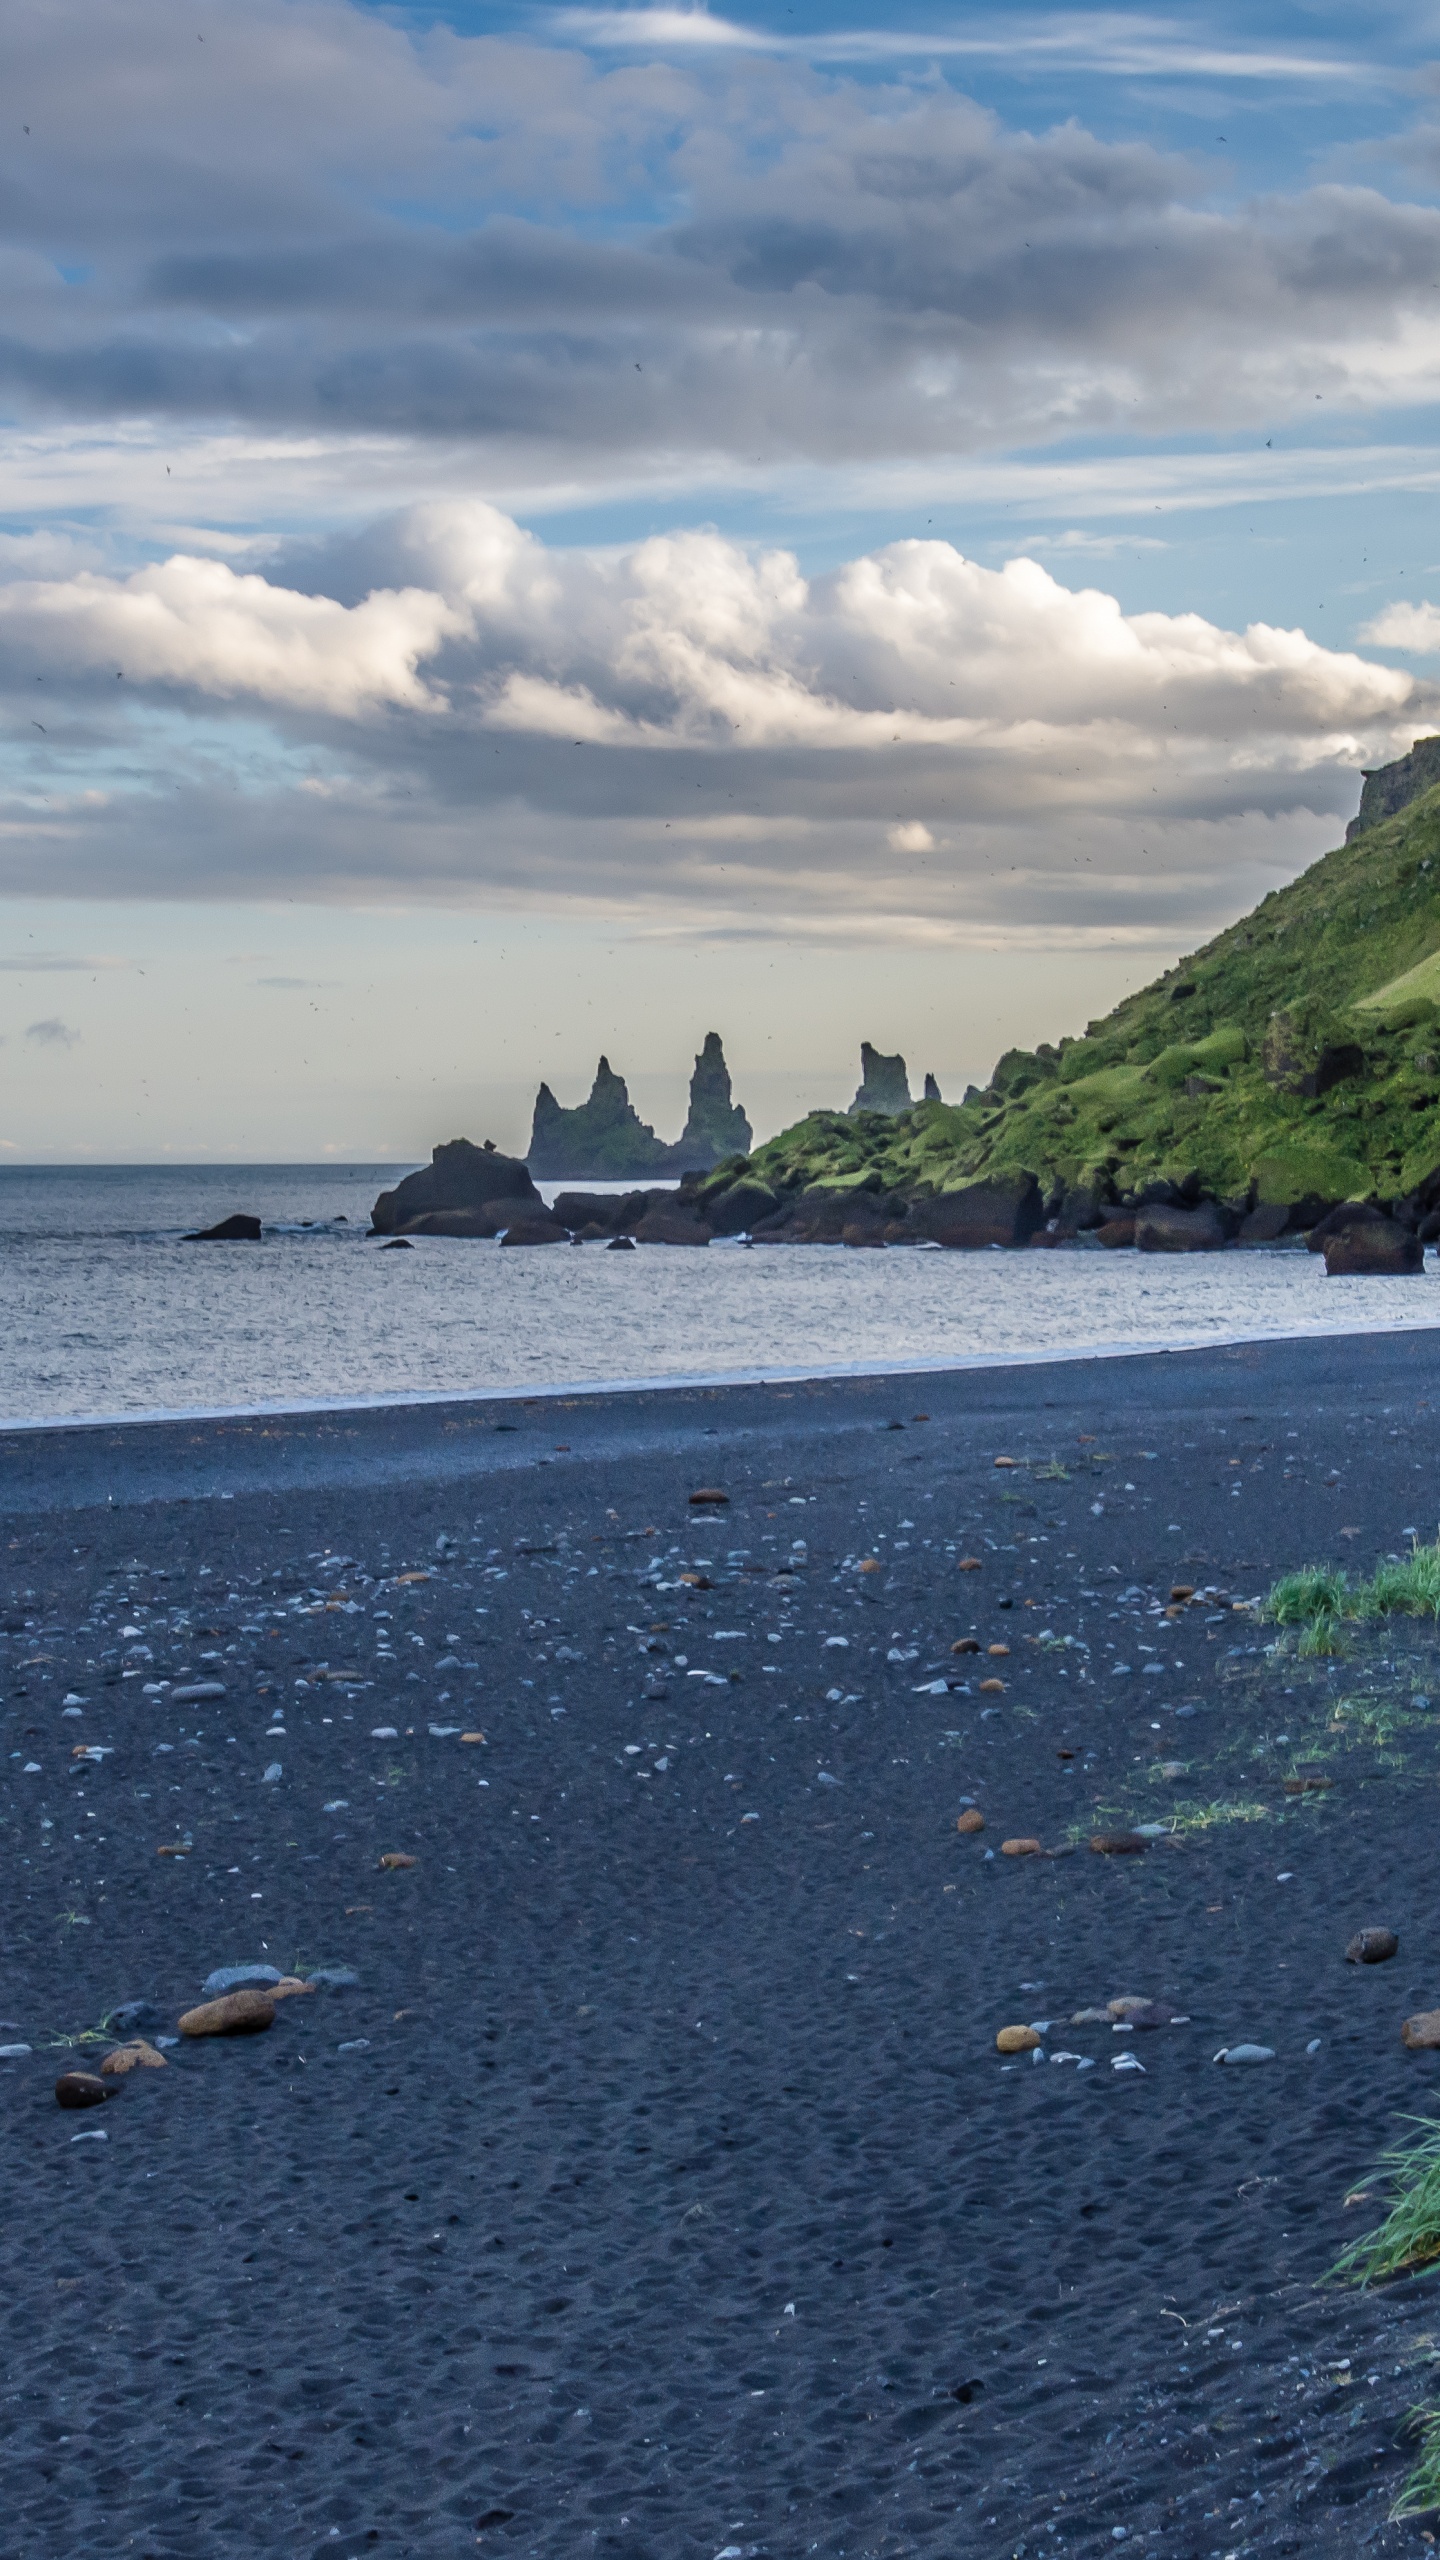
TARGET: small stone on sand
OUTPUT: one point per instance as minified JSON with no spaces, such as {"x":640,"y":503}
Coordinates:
{"x":708,"y":1494}
{"x":81,"y":2089}
{"x":240,"y":2013}
{"x":396,"y":1858}
{"x":1117,"y":1844}
{"x":973,"y":1820}
{"x":139,"y":2055}
{"x":966,"y":1644}
{"x":997,"y":1648}
{"x":1372,"y":1946}
{"x":1020,"y":1849}
{"x":996,"y":1688}
{"x":969,"y":1564}
{"x":1016,"y":2040}
{"x":1422,"y":2032}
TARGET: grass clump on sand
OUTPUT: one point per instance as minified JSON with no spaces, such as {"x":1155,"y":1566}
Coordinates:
{"x":1405,"y":2242}
{"x":1409,"y":2236}
{"x":1320,"y":1593}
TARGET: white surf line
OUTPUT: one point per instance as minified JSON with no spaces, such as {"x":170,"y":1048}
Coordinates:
{"x":525,"y":1392}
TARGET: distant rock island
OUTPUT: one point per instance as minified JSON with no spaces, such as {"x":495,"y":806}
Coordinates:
{"x":885,"y":1085}
{"x":605,"y":1139}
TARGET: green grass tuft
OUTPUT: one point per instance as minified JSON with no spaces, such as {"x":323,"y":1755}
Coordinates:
{"x":1409,"y":2236}
{"x":1323,"y":1636}
{"x":1317,"y":1590}
{"x":1421,"y":2494}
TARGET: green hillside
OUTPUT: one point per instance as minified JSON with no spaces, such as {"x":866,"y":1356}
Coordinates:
{"x":1299,"y":1053}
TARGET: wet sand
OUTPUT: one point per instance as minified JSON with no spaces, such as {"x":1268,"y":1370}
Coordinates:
{"x":658,"y":2190}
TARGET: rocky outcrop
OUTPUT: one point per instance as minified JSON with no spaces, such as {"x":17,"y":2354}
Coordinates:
{"x":459,"y":1177}
{"x":535,"y":1227}
{"x":671,"y":1221}
{"x":1389,"y":788}
{"x":932,"y":1090}
{"x":605,"y":1139}
{"x":1381,"y":1246}
{"x":884,"y":1085}
{"x":237,"y":1230}
{"x":715,"y":1127}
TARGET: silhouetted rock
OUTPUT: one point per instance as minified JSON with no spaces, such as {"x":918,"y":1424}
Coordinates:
{"x":458,"y":1176}
{"x":236,"y":1230}
{"x":740,"y":1208}
{"x":534,"y":1227}
{"x":1389,"y":788}
{"x":671,"y":1222}
{"x":1346,"y":1213}
{"x":605,"y":1138}
{"x":932,"y":1089}
{"x":1265,"y":1225}
{"x":884,"y":1085}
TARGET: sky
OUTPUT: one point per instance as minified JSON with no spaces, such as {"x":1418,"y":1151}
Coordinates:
{"x":531,"y":531}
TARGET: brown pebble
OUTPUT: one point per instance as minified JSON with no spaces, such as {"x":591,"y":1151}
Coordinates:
{"x":1372,"y":1946}
{"x":1007,"y":1462}
{"x":997,"y":1648}
{"x":287,"y":1987}
{"x":966,"y":1644}
{"x":1091,"y":2018}
{"x":172,"y":1849}
{"x":995,"y":1687}
{"x":1143,"y":2013}
{"x":1422,"y":2032}
{"x":81,"y":2089}
{"x":1307,"y":1786}
{"x":1019,"y":1848}
{"x":970,"y":1564}
{"x":1118,"y":1844}
{"x":138,"y":2054}
{"x":1016,"y":2040}
{"x":709,"y":1493}
{"x":1182,"y":1590}
{"x":472,"y":1737}
{"x":396,"y":1858}
{"x":973,"y":1820}
{"x":239,"y":2013}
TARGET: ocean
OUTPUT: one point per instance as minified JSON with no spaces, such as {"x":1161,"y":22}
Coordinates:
{"x":106,"y":1312}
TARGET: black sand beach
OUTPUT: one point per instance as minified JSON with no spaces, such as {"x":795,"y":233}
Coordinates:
{"x":657,"y":2189}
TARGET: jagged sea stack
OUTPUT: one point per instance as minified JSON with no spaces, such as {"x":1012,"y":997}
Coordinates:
{"x":716,"y":1127}
{"x":884,"y":1084}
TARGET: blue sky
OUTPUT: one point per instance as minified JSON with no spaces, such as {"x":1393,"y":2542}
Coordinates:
{"x":607,"y":523}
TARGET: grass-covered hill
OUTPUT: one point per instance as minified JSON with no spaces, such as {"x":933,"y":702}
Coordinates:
{"x":1295,"y":1058}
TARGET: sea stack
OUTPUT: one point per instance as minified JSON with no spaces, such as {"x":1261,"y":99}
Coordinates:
{"x":884,"y":1084}
{"x":604,"y":1139}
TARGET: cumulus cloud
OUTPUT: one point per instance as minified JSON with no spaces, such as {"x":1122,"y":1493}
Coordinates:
{"x":1413,"y":627}
{"x":690,"y":729}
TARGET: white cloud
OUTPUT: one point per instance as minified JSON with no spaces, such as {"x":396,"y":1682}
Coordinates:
{"x":51,"y":1033}
{"x":910,"y":837}
{"x":1415,"y":627}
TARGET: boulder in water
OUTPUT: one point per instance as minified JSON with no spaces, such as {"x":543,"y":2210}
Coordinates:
{"x":459,"y":1176}
{"x":1381,"y":1247}
{"x":236,"y":1230}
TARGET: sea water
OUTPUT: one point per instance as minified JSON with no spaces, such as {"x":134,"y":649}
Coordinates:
{"x":105,"y":1311}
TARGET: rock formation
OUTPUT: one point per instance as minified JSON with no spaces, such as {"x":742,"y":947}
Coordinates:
{"x":465,"y":1190}
{"x":884,"y":1085}
{"x":605,"y":1140}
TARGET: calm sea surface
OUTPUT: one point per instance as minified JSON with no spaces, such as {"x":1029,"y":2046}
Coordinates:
{"x":104,"y":1311}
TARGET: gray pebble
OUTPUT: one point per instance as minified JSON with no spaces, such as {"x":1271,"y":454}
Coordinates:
{"x":235,"y":1977}
{"x":1246,"y":2053}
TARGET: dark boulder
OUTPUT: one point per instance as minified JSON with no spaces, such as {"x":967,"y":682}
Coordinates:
{"x":592,"y":1211}
{"x":621,"y":1244}
{"x":236,"y":1230}
{"x":1117,"y":1232}
{"x":1347,"y":1213}
{"x":1265,"y":1225}
{"x":1163,"y":1229}
{"x":533,"y":1229}
{"x":397,"y":1244}
{"x":1080,"y":1210}
{"x":739,"y":1210}
{"x":1007,"y":1210}
{"x":458,"y":1176}
{"x":669,"y":1222}
{"x":471,"y":1223}
{"x":1381,"y":1247}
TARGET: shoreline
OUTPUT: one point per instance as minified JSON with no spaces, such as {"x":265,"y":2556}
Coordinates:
{"x":552,"y":1391}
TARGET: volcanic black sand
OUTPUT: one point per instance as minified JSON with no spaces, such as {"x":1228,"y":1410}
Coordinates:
{"x":658,"y":2190}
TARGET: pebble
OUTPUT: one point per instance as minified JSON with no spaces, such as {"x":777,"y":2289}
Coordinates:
{"x":996,"y":1687}
{"x":335,"y":1977}
{"x":193,"y":1691}
{"x":13,"y":2052}
{"x":1422,"y":2032}
{"x":357,"y":2044}
{"x":81,"y":2089}
{"x":1307,"y":1786}
{"x":997,"y":1649}
{"x":1016,"y":2040}
{"x":140,"y":2054}
{"x":1252,"y":2052}
{"x":974,"y":1820}
{"x":240,"y":2013}
{"x":1020,"y":1849}
{"x":708,"y":1493}
{"x":1372,"y":1946}
{"x":1117,"y":1844}
{"x":1091,"y":2018}
{"x":1174,"y":1768}
{"x":970,"y":1564}
{"x":234,"y":1977}
{"x":1146,"y":2013}
{"x":288,"y":1986}
{"x":966,"y":1644}
{"x":396,"y":1858}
